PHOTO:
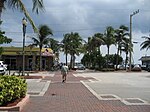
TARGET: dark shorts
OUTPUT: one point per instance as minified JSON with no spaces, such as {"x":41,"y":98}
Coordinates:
{"x":64,"y":73}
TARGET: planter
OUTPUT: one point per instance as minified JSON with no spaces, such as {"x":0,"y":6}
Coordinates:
{"x":17,"y":107}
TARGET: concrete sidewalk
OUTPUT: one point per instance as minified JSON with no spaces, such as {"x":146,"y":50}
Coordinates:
{"x":73,"y":96}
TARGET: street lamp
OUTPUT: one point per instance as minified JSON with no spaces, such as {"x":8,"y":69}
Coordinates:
{"x":130,"y":56}
{"x":24,"y":24}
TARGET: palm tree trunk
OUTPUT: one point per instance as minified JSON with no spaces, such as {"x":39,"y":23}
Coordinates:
{"x":40,"y":67}
{"x":28,"y":16}
{"x":71,"y":62}
{"x":99,"y":50}
{"x":117,"y":57}
{"x":126,"y":60}
{"x":66,"y":59}
{"x":107,"y":56}
{"x":0,"y":10}
{"x":1,"y":7}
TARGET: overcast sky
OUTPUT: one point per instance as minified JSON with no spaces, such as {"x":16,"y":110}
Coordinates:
{"x":85,"y":17}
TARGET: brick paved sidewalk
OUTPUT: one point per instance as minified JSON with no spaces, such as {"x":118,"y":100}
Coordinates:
{"x":73,"y":96}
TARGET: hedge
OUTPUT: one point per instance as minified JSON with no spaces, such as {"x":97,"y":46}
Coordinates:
{"x":11,"y":88}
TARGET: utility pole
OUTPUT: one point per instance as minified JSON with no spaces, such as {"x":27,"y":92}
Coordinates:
{"x":131,"y":45}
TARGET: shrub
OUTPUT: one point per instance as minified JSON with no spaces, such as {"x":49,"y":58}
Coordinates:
{"x":11,"y":88}
{"x":107,"y":69}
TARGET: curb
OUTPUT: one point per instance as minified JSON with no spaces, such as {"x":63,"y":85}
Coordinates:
{"x":16,"y":108}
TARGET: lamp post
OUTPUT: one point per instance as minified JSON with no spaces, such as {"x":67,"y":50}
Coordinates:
{"x":24,"y":24}
{"x":130,"y":56}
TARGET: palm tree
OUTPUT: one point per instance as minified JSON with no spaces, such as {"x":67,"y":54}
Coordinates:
{"x":72,"y":45}
{"x":53,"y":44}
{"x":1,"y":6}
{"x":146,"y":43}
{"x":120,"y":35}
{"x":42,"y":39}
{"x":94,"y":43}
{"x":89,"y":46}
{"x":87,"y":50}
{"x":92,"y":48}
{"x":126,"y":48}
{"x":66,"y":40}
{"x":3,"y":39}
{"x":98,"y":40}
{"x":18,"y":4}
{"x":109,"y":39}
{"x":75,"y":47}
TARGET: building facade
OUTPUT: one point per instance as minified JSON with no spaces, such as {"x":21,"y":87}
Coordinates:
{"x":12,"y":56}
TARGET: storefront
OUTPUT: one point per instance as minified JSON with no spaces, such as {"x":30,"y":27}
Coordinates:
{"x":12,"y":56}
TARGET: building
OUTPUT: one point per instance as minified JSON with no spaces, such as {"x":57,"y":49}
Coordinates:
{"x":145,"y":60}
{"x":12,"y":56}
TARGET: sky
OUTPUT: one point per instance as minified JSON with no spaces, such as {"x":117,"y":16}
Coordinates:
{"x":86,"y":17}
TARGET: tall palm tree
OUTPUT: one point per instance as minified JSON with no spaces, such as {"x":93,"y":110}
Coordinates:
{"x":42,"y":39}
{"x":75,"y":47}
{"x":109,"y":39}
{"x":3,"y":39}
{"x":94,"y":43}
{"x":72,"y":44}
{"x":53,"y":44}
{"x":126,"y":48}
{"x":146,"y":43}
{"x":89,"y":46}
{"x":18,"y":4}
{"x":66,"y":40}
{"x":92,"y":48}
{"x":120,"y":35}
{"x":98,"y":40}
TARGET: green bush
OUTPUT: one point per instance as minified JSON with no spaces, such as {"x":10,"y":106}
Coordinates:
{"x":11,"y":88}
{"x":108,"y":69}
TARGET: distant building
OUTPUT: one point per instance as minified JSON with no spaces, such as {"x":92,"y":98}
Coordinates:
{"x":145,"y":60}
{"x":12,"y":56}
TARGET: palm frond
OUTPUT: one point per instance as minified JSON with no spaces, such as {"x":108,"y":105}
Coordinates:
{"x":35,"y":41}
{"x":146,"y":43}
{"x":18,"y":4}
{"x":37,"y":4}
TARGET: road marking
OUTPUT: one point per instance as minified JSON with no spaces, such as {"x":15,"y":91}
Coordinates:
{"x":91,"y":90}
{"x":42,"y":92}
{"x":134,"y":101}
{"x":45,"y":88}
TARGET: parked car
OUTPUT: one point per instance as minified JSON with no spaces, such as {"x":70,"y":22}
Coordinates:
{"x":148,"y":68}
{"x":80,"y":67}
{"x":136,"y":68}
{"x":143,"y":67}
{"x":3,"y":68}
{"x":75,"y":67}
{"x":121,"y":67}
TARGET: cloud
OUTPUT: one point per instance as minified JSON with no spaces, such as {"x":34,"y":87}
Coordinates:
{"x":83,"y":16}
